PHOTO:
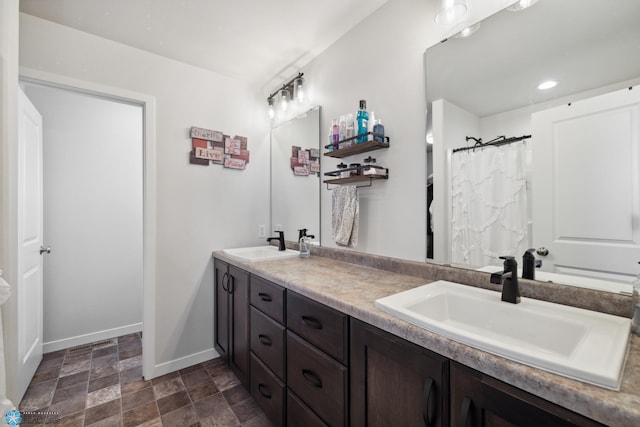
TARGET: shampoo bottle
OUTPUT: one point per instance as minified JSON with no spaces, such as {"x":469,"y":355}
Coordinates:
{"x":363,"y":122}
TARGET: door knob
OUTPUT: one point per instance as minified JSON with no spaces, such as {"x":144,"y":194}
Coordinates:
{"x":542,"y":251}
{"x":43,"y":249}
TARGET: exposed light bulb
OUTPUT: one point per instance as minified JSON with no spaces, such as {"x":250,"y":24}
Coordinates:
{"x":284,"y":99}
{"x":450,"y":11}
{"x":272,"y":111}
{"x":298,"y":87}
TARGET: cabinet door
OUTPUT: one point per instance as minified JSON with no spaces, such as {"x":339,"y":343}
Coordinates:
{"x":221,"y":308}
{"x":395,"y":382}
{"x":239,"y":323}
{"x":480,"y":400}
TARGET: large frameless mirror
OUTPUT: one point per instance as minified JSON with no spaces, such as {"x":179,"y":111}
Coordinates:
{"x":295,"y":180}
{"x":569,"y":187}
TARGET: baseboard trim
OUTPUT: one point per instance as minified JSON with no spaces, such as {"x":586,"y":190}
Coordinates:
{"x":183,"y":362}
{"x":65,"y":343}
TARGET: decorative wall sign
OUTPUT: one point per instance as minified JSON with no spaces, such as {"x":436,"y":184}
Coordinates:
{"x":209,"y":146}
{"x":305,"y":162}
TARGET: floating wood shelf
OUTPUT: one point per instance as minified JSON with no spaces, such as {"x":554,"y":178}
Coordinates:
{"x":355,"y":179}
{"x":357,"y":148}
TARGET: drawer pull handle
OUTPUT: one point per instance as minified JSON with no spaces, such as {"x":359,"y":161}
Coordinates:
{"x":464,"y":411}
{"x":426,"y":396}
{"x":265,"y":297}
{"x":311,"y":322}
{"x":231,"y":284}
{"x":264,"y":391}
{"x":265,"y":340}
{"x":312,"y":378}
{"x":225,"y":278}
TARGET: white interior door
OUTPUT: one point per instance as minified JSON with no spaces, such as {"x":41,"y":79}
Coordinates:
{"x":30,"y":227}
{"x":586,"y":187}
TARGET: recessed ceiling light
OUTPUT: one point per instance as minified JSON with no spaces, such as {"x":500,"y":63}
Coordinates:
{"x":548,"y":84}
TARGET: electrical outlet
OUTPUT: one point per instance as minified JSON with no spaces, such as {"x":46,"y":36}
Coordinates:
{"x":262,"y":230}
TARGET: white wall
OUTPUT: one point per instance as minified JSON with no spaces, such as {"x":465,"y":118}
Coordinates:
{"x":92,"y":216}
{"x":380,"y":60}
{"x":199,"y":209}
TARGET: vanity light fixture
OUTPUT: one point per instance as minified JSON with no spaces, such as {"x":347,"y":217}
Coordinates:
{"x":547,"y":84}
{"x":292,"y":88}
{"x":521,"y":5}
{"x":450,"y":11}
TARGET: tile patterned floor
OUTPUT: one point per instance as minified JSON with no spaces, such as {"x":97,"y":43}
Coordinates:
{"x":101,"y":385}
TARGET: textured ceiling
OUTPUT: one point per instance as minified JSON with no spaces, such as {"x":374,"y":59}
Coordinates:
{"x":252,"y":40}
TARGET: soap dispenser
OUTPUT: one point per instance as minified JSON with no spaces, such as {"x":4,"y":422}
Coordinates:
{"x":304,"y":243}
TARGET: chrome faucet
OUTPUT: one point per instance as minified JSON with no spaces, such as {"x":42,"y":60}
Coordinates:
{"x":280,"y":239}
{"x":509,"y":280}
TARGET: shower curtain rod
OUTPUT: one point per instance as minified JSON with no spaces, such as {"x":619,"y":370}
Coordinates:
{"x":501,"y":140}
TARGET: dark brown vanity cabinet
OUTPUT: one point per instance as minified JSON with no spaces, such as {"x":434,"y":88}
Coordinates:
{"x":395,"y":382}
{"x":480,"y":400}
{"x":268,"y":348}
{"x":231,"y":317}
{"x":317,"y":358}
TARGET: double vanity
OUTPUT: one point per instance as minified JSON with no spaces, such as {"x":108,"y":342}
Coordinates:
{"x":343,"y":338}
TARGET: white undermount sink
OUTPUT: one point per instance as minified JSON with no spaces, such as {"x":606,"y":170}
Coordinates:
{"x":576,"y":343}
{"x":261,"y":253}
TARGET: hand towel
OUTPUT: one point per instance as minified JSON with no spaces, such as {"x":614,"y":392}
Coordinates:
{"x":345,"y":215}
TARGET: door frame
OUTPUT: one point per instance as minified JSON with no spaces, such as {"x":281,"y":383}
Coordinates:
{"x":148,"y":104}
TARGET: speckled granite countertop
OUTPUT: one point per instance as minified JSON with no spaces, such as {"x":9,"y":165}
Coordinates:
{"x":353,"y":288}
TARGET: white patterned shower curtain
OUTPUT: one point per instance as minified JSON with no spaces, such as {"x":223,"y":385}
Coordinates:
{"x":489,"y":204}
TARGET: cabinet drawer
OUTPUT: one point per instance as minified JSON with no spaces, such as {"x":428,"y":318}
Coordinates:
{"x":322,"y":326}
{"x":267,"y":341}
{"x":268,"y":391}
{"x":317,"y":379}
{"x":299,"y":414}
{"x":268,"y":298}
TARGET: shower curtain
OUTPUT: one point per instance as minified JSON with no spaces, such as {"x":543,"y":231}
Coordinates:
{"x":489,"y":204}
